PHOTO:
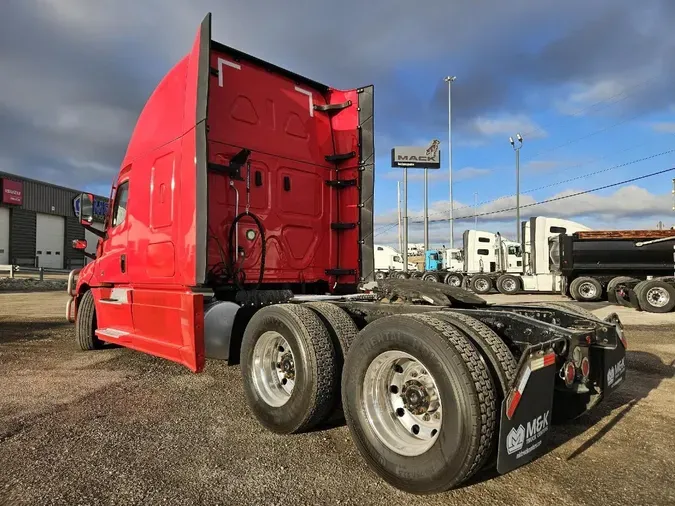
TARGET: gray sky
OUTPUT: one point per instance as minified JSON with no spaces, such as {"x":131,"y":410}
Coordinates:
{"x":75,"y":73}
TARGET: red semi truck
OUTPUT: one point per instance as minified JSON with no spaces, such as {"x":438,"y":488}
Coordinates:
{"x":241,"y":228}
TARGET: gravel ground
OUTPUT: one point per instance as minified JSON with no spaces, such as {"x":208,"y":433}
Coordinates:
{"x":31,"y":284}
{"x":120,"y":427}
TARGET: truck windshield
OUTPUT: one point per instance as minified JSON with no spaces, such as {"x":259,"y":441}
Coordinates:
{"x":514,"y":250}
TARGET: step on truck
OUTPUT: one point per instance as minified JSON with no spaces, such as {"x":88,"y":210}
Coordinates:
{"x":241,"y":229}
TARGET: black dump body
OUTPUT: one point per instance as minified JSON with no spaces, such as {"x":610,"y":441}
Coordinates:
{"x":612,"y":253}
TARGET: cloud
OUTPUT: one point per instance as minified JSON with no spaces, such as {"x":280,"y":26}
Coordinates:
{"x":628,"y":207}
{"x":462,"y":174}
{"x":71,"y":91}
{"x":588,"y":97}
{"x":506,"y":125}
{"x":665,"y":127}
{"x":628,"y":202}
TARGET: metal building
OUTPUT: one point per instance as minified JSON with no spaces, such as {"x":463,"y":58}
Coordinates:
{"x":38,"y":224}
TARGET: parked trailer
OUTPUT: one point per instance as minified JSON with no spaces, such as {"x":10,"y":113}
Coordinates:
{"x":594,"y":263}
{"x":226,"y":240}
{"x":654,"y":294}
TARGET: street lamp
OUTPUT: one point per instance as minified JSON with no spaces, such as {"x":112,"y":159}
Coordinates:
{"x":517,"y":150}
{"x":449,"y":80}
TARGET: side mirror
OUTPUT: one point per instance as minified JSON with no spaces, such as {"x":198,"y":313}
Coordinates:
{"x":85,"y":208}
{"x":80,"y":244}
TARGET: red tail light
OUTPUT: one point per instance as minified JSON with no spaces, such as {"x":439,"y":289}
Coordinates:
{"x":570,"y":372}
{"x":585,"y":367}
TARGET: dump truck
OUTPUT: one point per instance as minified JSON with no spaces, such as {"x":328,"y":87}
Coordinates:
{"x":241,"y":229}
{"x":593,"y":264}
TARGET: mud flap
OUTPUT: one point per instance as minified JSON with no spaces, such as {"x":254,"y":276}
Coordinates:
{"x":526,"y":413}
{"x":613,"y":367}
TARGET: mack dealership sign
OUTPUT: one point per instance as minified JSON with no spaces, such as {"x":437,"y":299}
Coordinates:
{"x":417,"y":157}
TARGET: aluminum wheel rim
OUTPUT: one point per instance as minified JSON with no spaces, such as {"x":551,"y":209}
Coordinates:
{"x":273,"y":369}
{"x":482,"y":285}
{"x":453,"y":281}
{"x":402,"y":403}
{"x":588,"y":290}
{"x":658,"y":297}
{"x":431,"y":278}
{"x":509,"y":285}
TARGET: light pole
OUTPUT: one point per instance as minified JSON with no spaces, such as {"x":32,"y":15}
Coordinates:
{"x":517,"y":150}
{"x":475,"y":210}
{"x":426,"y":210}
{"x":449,"y":80}
{"x":398,"y":205}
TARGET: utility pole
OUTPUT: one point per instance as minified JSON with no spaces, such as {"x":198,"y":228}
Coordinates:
{"x":426,"y":210}
{"x":398,"y":206}
{"x":517,"y":150}
{"x":449,"y":80}
{"x":475,"y":210}
{"x":405,"y":220}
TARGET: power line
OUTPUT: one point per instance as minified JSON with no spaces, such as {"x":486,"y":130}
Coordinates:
{"x":563,"y":197}
{"x":614,"y":167}
{"x":591,"y":134}
{"x":553,"y":199}
{"x":576,"y":166}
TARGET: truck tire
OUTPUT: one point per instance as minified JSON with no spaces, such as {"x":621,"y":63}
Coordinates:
{"x":500,"y":361}
{"x":508,"y":284}
{"x":430,"y":276}
{"x":481,"y":283}
{"x":289,"y":368}
{"x":586,"y":289}
{"x":401,"y":275}
{"x":611,"y":287}
{"x":380,"y":275}
{"x":656,"y":296}
{"x":85,"y":325}
{"x":637,"y":289}
{"x":413,"y":452}
{"x":341,"y":328}
{"x":453,"y":279}
{"x":416,"y":275}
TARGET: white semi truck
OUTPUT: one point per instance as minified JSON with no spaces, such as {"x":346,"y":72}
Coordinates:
{"x":482,"y":252}
{"x":533,"y":271}
{"x":389,"y":263}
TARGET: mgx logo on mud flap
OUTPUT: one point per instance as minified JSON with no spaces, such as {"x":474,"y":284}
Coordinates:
{"x":515,"y":439}
{"x":536,"y":428}
{"x":615,"y":372}
{"x":519,"y":437}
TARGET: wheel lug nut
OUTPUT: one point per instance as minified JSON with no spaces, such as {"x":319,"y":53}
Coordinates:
{"x":437,"y":416}
{"x":413,"y":374}
{"x":427,"y":417}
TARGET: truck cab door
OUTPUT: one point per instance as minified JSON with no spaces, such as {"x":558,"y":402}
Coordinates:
{"x":113,"y":295}
{"x":112,"y":266}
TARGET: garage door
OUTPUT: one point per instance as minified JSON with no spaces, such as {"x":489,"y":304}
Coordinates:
{"x":4,"y":236}
{"x":49,"y":240}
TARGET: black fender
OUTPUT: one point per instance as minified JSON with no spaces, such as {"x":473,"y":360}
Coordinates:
{"x":224,"y":324}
